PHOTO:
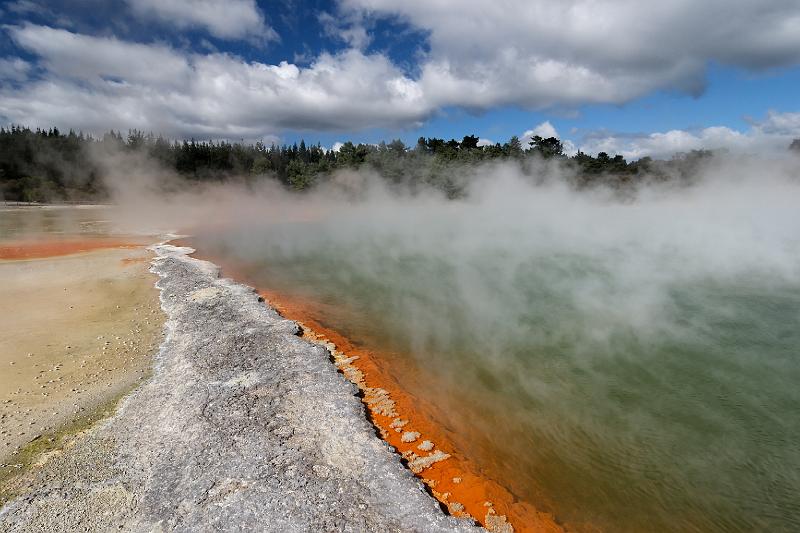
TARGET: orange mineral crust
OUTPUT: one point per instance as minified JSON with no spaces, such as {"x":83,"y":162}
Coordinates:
{"x":38,"y":249}
{"x":402,"y":421}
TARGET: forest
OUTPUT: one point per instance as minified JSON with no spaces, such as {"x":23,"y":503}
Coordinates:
{"x":51,"y":166}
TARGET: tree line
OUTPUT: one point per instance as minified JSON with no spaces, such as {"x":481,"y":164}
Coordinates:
{"x":48,"y":165}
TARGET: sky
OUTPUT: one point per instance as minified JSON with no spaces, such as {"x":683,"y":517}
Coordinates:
{"x":635,"y":77}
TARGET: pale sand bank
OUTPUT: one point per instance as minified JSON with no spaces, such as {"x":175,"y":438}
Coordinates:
{"x":76,"y":331}
{"x":243,"y":426}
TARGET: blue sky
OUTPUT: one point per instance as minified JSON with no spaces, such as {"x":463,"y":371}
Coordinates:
{"x":638,"y":78}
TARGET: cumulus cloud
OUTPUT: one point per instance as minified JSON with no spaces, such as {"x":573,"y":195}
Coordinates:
{"x":774,"y":133}
{"x":779,"y":124}
{"x":530,"y":53}
{"x":226,"y":19}
{"x":545,"y":129}
{"x":540,"y":53}
{"x":94,"y":83}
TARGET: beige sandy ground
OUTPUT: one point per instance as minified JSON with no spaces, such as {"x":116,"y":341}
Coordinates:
{"x":76,"y":332}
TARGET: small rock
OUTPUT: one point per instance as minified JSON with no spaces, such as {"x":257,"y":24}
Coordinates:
{"x":418,"y":464}
{"x":410,"y":436}
{"x":497,"y":523}
{"x":455,"y":507}
{"x":425,"y":446}
{"x":398,"y":423}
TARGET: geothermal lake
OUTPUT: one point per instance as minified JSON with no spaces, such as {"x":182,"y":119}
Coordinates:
{"x":37,"y":221}
{"x":639,"y":374}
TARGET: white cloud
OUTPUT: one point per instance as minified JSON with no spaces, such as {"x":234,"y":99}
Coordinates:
{"x":545,"y":129}
{"x":485,"y":142}
{"x":14,"y":69}
{"x":774,"y":133}
{"x":96,"y":83}
{"x":348,"y":29}
{"x":226,"y":19}
{"x":96,"y":59}
{"x":540,"y":53}
{"x":528,"y":53}
{"x":779,"y":123}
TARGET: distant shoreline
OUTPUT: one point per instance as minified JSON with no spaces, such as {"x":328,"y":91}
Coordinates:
{"x":54,"y":205}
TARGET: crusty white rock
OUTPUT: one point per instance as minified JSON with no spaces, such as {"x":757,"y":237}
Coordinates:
{"x":244,"y":426}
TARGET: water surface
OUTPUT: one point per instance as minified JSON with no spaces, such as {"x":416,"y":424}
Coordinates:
{"x":630,"y":383}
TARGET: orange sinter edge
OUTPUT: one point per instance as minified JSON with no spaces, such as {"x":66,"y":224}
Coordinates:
{"x":450,"y":477}
{"x":57,"y":247}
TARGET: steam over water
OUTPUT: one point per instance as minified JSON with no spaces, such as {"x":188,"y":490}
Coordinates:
{"x":630,"y":365}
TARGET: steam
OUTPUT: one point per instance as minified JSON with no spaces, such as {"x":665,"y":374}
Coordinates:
{"x":605,"y":320}
{"x":614,"y":255}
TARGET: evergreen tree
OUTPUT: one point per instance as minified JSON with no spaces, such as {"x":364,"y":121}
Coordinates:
{"x":547,"y":148}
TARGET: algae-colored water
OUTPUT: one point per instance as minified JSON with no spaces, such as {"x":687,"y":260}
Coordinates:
{"x":639,"y":382}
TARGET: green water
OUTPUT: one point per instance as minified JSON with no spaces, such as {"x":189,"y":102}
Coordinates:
{"x":34,"y":222}
{"x":622,"y":385}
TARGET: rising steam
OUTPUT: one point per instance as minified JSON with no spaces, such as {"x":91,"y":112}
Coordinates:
{"x":612,"y":325}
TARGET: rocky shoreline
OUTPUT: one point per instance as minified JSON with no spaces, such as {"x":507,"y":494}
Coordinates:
{"x":243,"y":426}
